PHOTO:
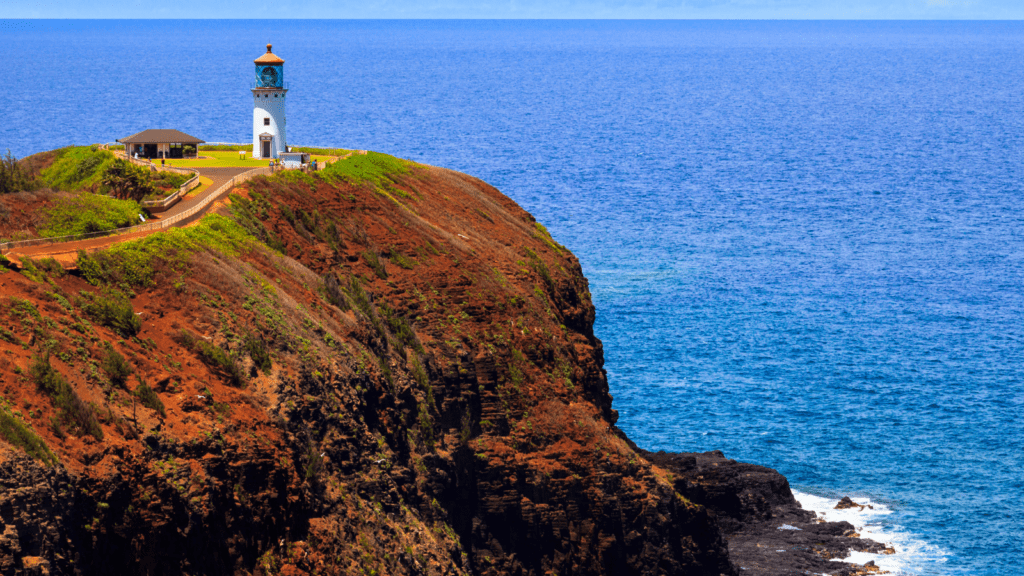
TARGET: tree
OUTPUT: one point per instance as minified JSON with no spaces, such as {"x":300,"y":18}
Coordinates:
{"x":127,"y":182}
{"x":12,"y":176}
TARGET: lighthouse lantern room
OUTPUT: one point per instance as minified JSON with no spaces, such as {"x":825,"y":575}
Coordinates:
{"x":268,"y":97}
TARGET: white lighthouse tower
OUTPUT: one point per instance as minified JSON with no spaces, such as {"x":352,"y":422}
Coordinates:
{"x":268,"y":96}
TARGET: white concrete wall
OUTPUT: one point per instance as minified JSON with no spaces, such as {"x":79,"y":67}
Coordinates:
{"x":268,"y":104}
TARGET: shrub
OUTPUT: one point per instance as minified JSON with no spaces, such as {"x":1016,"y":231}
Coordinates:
{"x":169,"y":180}
{"x":8,"y":336}
{"x":252,"y":214}
{"x":426,"y":425}
{"x":540,"y":268}
{"x":18,"y":434}
{"x":149,"y":398}
{"x":215,"y":357}
{"x":14,"y":178}
{"x":77,"y":167}
{"x":134,"y":262}
{"x":373,"y":167}
{"x":334,"y":292}
{"x":116,"y":367}
{"x":127,"y":181}
{"x":420,"y":375}
{"x":74,"y":412}
{"x":314,"y":461}
{"x":112,"y":309}
{"x":399,"y":260}
{"x":88,"y":213}
{"x":373,"y":261}
{"x":38,"y":270}
{"x":30,"y":271}
{"x":400,"y":328}
{"x":51,"y":267}
{"x":362,"y":302}
{"x":257,"y":349}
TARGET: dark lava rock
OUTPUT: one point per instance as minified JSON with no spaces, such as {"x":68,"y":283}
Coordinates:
{"x":769,"y":534}
{"x":846,"y":503}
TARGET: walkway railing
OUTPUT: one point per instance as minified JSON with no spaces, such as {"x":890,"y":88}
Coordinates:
{"x":183,"y":217}
{"x":164,"y":204}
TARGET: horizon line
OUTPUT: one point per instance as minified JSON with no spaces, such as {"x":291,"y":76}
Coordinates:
{"x":537,"y":19}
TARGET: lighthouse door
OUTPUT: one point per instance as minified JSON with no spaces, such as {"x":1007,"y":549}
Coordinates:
{"x":266,"y":149}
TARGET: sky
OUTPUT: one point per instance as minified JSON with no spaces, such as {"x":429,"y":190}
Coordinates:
{"x":654,"y":9}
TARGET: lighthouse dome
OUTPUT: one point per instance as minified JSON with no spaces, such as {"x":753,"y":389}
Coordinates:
{"x":269,"y":58}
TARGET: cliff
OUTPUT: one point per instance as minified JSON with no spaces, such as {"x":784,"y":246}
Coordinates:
{"x":388,"y":368}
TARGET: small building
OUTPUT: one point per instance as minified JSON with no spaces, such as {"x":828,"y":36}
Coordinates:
{"x":155,"y":143}
{"x":293,"y":160}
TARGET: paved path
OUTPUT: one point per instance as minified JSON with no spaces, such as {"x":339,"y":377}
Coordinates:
{"x":67,"y":252}
{"x":219,"y":177}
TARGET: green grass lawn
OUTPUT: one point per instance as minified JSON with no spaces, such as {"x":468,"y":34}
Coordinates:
{"x":225,"y":159}
{"x":204,"y":183}
{"x":216,"y":159}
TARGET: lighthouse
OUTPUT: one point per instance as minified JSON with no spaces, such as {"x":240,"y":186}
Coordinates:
{"x":268,"y":98}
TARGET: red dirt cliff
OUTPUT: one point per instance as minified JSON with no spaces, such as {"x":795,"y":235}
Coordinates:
{"x":393,"y":373}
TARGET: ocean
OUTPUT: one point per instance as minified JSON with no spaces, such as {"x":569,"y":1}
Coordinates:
{"x":805,"y":240}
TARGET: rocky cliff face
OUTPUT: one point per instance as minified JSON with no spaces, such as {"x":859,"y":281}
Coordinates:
{"x":769,"y":534}
{"x":386,"y":369}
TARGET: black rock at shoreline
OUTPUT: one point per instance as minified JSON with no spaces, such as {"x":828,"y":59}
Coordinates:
{"x":768,"y":533}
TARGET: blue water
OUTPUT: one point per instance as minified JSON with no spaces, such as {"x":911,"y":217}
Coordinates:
{"x":805,"y":240}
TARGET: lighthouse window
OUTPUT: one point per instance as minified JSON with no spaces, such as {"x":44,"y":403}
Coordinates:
{"x":266,"y":121}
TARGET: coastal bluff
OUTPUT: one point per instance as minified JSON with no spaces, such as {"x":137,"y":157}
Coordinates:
{"x":381,"y":368}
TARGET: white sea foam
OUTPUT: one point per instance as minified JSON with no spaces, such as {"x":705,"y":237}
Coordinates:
{"x":913,"y":557}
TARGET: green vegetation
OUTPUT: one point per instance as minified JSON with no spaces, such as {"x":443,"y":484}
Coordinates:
{"x":251,"y":213}
{"x":258,"y":350}
{"x":215,"y":357}
{"x":75,"y":413}
{"x":149,"y":398}
{"x":8,"y":336}
{"x":541,"y":269}
{"x":373,"y":167}
{"x":545,"y":236}
{"x":314,"y":465}
{"x":39,"y":270}
{"x":207,"y":148}
{"x":426,"y":426}
{"x":116,"y":367}
{"x":401,"y":330}
{"x":219,"y":159}
{"x":169,"y":181}
{"x":321,"y":151}
{"x":19,"y":434}
{"x":112,"y":309}
{"x":88,"y":213}
{"x":14,"y":178}
{"x":135,"y":263}
{"x":400,"y":260}
{"x":77,"y":167}
{"x":128,"y":181}
{"x":373,"y":261}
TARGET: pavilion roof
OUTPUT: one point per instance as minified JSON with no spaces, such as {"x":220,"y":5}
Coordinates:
{"x":161,"y":136}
